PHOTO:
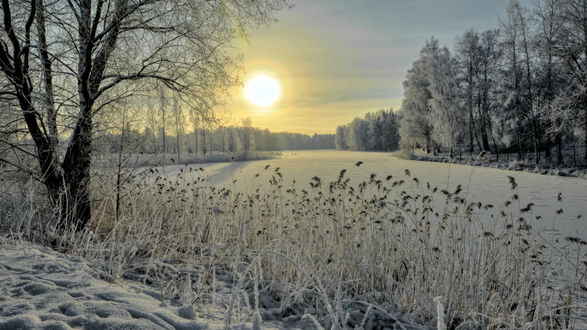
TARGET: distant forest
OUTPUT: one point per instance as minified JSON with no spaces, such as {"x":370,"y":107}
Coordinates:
{"x":518,"y":88}
{"x":202,"y":141}
{"x":377,"y":131}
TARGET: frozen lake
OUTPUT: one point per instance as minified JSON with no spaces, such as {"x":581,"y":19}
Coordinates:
{"x":483,"y":184}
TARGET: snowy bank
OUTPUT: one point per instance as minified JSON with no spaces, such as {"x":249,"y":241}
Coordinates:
{"x":505,"y":163}
{"x":43,"y":289}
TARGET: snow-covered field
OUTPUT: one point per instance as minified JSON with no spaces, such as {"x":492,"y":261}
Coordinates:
{"x":287,"y":243}
{"x":43,"y":289}
{"x":482,"y":184}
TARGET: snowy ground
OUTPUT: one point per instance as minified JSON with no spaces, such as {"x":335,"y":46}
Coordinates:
{"x":510,"y":162}
{"x":43,"y":289}
{"x":489,"y":185}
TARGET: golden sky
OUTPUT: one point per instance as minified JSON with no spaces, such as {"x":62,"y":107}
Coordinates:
{"x":338,"y":59}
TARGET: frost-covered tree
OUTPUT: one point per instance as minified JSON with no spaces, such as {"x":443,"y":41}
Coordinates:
{"x":358,"y":134}
{"x":528,"y":109}
{"x":92,"y":52}
{"x":377,"y":131}
{"x":245,"y":137}
{"x":374,"y":131}
{"x":389,"y":130}
{"x":416,"y":128}
{"x":446,"y":111}
{"x":489,"y":57}
{"x":519,"y":88}
{"x":179,"y":126}
{"x":339,"y":140}
{"x":511,"y":78}
{"x":550,"y":81}
{"x":572,"y":101}
{"x":467,"y":52}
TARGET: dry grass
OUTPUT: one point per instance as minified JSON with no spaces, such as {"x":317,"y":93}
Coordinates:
{"x":388,"y":252}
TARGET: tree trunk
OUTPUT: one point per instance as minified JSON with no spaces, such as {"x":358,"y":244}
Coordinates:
{"x":15,"y":67}
{"x":484,"y":144}
{"x":471,"y":125}
{"x":484,"y":137}
{"x":530,"y":97}
{"x":547,"y":150}
{"x":76,"y":168}
{"x":476,"y":137}
{"x":559,"y":151}
{"x":46,"y":155}
{"x":471,"y":122}
{"x":47,"y":74}
{"x":164,"y":120}
{"x":585,"y":122}
{"x":119,"y":170}
{"x":535,"y":140}
{"x":177,"y":142}
{"x":520,"y":152}
{"x":210,"y":141}
{"x":574,"y":153}
{"x":204,"y":142}
{"x":196,"y":138}
{"x":584,"y":17}
{"x":585,"y":134}
{"x":223,"y":140}
{"x":77,"y":160}
{"x":484,"y":126}
{"x":496,"y":148}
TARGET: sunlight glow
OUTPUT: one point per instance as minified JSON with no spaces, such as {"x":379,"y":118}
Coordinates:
{"x":262,"y":91}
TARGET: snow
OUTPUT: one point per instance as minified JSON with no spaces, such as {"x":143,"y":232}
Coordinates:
{"x":489,"y":185}
{"x":43,"y":289}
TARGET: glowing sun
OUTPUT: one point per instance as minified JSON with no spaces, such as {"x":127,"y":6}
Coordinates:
{"x":262,"y":91}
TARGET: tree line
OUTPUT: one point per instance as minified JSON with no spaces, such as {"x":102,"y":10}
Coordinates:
{"x":377,"y":131}
{"x":521,"y":87}
{"x":204,"y":140}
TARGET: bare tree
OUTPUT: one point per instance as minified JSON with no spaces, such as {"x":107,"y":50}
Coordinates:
{"x":489,"y":59}
{"x":548,"y":15}
{"x":528,"y":110}
{"x":179,"y":126}
{"x":182,"y":44}
{"x":468,"y":57}
{"x":196,"y":122}
{"x":162,"y":103}
{"x":245,"y":136}
{"x":152,"y":122}
{"x":573,"y":50}
{"x":512,"y":72}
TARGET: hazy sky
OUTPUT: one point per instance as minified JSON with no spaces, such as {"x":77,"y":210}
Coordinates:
{"x":337,"y":59}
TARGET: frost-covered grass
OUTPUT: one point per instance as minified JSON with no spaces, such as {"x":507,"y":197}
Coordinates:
{"x":392,"y":251}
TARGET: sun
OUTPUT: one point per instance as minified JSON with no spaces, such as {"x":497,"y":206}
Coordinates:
{"x":262,"y":91}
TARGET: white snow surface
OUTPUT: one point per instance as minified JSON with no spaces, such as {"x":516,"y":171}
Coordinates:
{"x":43,"y":289}
{"x":488,"y":185}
